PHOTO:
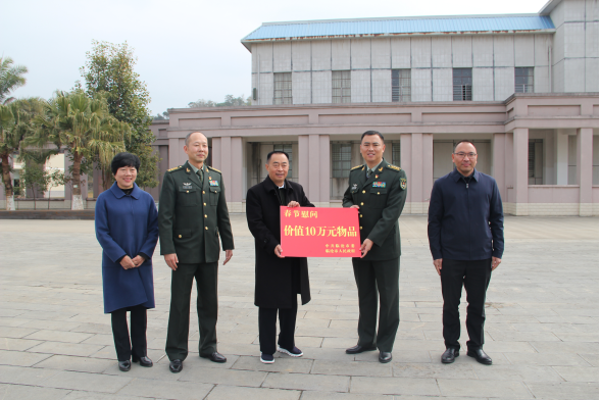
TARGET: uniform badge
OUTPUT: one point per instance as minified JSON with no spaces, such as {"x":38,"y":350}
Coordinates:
{"x":187,"y":185}
{"x":378,"y":184}
{"x":403,"y":183}
{"x":354,"y":186}
{"x":213,"y":183}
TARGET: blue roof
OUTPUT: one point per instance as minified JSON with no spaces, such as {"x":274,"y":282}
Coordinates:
{"x":399,"y":26}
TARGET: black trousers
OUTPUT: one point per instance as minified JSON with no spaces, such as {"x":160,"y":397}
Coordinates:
{"x":267,"y":326}
{"x":378,"y":280}
{"x":206,"y":305}
{"x":137,"y":347}
{"x":475,"y":275}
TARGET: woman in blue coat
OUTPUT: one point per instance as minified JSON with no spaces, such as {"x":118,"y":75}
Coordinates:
{"x":127,"y":229}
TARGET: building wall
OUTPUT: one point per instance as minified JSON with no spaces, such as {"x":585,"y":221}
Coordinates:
{"x":430,"y":59}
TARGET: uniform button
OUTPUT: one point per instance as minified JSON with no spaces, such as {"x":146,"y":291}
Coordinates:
{"x":361,"y":227}
{"x":206,"y":227}
{"x":377,"y":192}
{"x":187,"y":191}
{"x":205,"y":216}
{"x":364,"y":191}
{"x":362,"y":204}
{"x":361,"y":215}
{"x":179,"y":236}
{"x":203,"y":192}
{"x":204,"y":203}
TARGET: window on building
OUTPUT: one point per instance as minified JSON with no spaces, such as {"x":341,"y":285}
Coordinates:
{"x":340,"y":86}
{"x":283,"y":88}
{"x":396,"y":153}
{"x":341,"y":157}
{"x":287,"y":147}
{"x":524,"y":80}
{"x":401,"y":85}
{"x":462,"y":83}
{"x":536,"y":162}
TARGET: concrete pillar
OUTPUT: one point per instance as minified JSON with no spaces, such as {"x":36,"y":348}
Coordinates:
{"x":498,"y":163}
{"x":175,"y":148}
{"x":314,"y":169}
{"x":236,"y":185}
{"x":562,"y":158}
{"x":584,"y":170}
{"x":69,"y":185}
{"x":520,"y":163}
{"x":427,"y":159}
{"x":406,"y":157}
{"x":415,"y":185}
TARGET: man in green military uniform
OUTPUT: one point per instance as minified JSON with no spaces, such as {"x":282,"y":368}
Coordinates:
{"x":192,"y":214}
{"x":378,"y":190}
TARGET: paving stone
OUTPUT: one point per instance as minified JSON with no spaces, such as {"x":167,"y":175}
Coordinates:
{"x":396,"y":386}
{"x":70,"y":349}
{"x":423,"y":371}
{"x":17,"y":344}
{"x":351,"y":368}
{"x":307,"y":382}
{"x":72,"y":363}
{"x":59,"y":336}
{"x":23,"y":359}
{"x":24,"y":376}
{"x":565,"y":347}
{"x":546,"y":359}
{"x":345,"y":396}
{"x":577,"y":374}
{"x":83,"y":395}
{"x":222,"y":392}
{"x":281,"y":364}
{"x":85,"y":381}
{"x":223,"y":376}
{"x":53,"y":325}
{"x":9,"y":392}
{"x":15,"y":332}
{"x":482,"y":388}
{"x":526,"y":373}
{"x":165,"y":389}
{"x":565,"y":391}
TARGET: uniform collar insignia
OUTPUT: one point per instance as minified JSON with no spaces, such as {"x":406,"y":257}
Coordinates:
{"x":380,"y":169}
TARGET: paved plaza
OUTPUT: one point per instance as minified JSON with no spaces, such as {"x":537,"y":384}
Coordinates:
{"x":541,"y":330}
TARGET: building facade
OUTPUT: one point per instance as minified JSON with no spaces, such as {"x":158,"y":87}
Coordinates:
{"x":524,"y":88}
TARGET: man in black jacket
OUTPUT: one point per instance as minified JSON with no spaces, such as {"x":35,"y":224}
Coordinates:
{"x":278,"y":279}
{"x":466,"y":239}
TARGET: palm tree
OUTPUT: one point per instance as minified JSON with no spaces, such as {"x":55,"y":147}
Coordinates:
{"x":16,"y":123}
{"x":83,"y":127}
{"x":10,"y":79}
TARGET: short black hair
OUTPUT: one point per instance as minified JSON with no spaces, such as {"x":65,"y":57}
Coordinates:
{"x":463,"y":141}
{"x":124,"y":160}
{"x":277,"y":152}
{"x":370,"y":133}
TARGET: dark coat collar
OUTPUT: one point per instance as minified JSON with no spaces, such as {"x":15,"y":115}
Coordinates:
{"x":457,"y":175}
{"x":118,"y":193}
{"x":270,"y":186}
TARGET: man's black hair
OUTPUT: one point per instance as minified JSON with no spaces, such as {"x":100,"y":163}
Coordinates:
{"x":277,"y":152}
{"x":124,"y":160}
{"x":464,"y":141}
{"x":369,"y":133}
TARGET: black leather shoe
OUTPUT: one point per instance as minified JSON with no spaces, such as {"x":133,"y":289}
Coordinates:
{"x":144,"y":361}
{"x":359,"y":349}
{"x":385,"y":357}
{"x":480,"y":356}
{"x":449,"y":355}
{"x":176,"y":366}
{"x":125,"y":365}
{"x":215,"y":357}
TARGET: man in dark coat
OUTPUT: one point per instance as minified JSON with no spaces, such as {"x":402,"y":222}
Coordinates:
{"x":378,"y":190}
{"x":278,"y":279}
{"x":192,"y":214}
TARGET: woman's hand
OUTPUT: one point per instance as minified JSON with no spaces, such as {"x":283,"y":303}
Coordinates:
{"x":127,"y":263}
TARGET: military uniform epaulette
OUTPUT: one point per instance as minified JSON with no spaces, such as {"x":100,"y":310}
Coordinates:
{"x":174,"y":168}
{"x":214,"y":169}
{"x":358,"y":166}
{"x":390,"y":166}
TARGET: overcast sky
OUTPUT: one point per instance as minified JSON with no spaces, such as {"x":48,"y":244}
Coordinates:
{"x":187,"y":50}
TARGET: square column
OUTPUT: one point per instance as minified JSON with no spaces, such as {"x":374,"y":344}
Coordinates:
{"x":417,"y":161}
{"x":498,"y":162}
{"x":584,"y":170}
{"x":520,"y":170}
{"x":314,"y":168}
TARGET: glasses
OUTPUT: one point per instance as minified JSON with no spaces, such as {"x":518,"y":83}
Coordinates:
{"x":463,"y":155}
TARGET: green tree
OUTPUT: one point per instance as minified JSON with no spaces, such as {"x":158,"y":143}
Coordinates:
{"x":229,"y":101}
{"x":34,"y":176}
{"x":109,"y":74}
{"x":11,"y":78}
{"x":85,"y":129}
{"x":16,"y":124}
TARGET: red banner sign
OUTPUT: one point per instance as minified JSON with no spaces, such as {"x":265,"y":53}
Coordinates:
{"x":319,"y":232}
